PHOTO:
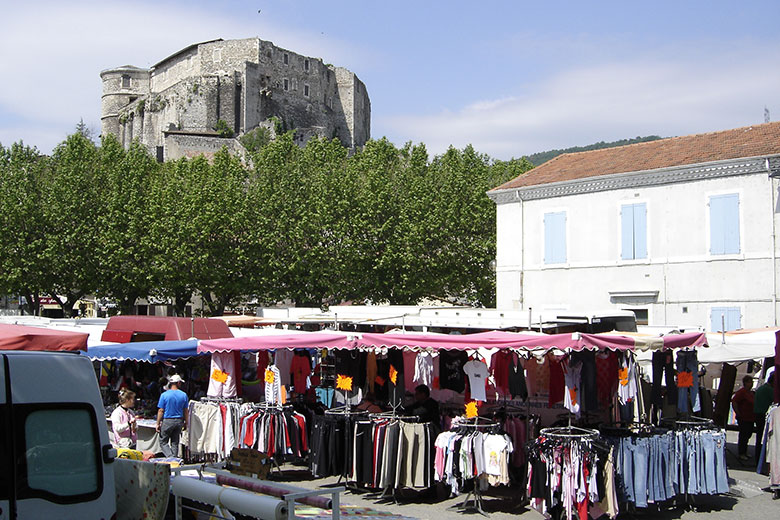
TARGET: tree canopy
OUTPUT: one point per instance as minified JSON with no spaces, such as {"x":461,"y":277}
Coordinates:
{"x":312,"y":225}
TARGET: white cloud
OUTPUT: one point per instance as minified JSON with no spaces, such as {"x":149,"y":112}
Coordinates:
{"x":672,"y":95}
{"x":51,"y":55}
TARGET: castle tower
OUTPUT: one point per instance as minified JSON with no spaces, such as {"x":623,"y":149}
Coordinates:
{"x":121,"y":86}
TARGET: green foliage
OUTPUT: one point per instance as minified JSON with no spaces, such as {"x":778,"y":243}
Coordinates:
{"x":223,"y":129}
{"x":542,"y":157}
{"x":278,"y":125}
{"x":141,"y":106}
{"x":255,"y":140}
{"x":309,"y":224}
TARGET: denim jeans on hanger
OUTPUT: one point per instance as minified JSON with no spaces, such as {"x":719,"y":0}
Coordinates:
{"x":687,"y":361}
{"x":627,"y":465}
{"x":641,"y":466}
{"x":691,"y":449}
{"x":668,"y":463}
{"x":721,"y":470}
{"x":708,"y":450}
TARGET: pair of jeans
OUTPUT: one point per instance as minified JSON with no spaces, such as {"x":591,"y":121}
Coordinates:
{"x":713,"y":446}
{"x":667,"y":463}
{"x":641,"y":452}
{"x":687,"y":361}
{"x":663,"y":368}
{"x":170,"y":432}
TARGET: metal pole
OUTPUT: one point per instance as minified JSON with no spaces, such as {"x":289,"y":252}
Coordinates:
{"x":723,"y":328}
{"x":192,"y":326}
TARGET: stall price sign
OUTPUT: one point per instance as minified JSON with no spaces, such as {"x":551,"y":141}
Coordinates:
{"x":219,"y":376}
{"x":344,"y":383}
{"x":393,"y":374}
{"x":269,"y":376}
{"x":471,"y":410}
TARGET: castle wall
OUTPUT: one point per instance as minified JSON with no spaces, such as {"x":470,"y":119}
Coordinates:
{"x":242,"y":82}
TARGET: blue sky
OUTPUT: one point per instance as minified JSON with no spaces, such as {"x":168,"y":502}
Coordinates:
{"x":509,"y":77}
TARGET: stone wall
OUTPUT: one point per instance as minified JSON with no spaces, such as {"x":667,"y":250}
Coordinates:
{"x":242,"y":82}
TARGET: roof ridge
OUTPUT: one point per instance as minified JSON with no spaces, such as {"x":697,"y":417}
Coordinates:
{"x":745,"y":141}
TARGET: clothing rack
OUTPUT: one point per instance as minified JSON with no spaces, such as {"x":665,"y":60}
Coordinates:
{"x":238,"y":400}
{"x":473,"y":500}
{"x":569,"y":432}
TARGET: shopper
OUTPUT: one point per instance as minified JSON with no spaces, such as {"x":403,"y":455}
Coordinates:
{"x":743,"y":402}
{"x":763,"y":400}
{"x":424,"y":406}
{"x":123,"y":421}
{"x":172,"y":416}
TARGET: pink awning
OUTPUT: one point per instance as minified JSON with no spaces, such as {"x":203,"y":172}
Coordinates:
{"x":492,"y":339}
{"x":17,"y":337}
{"x":271,"y":342}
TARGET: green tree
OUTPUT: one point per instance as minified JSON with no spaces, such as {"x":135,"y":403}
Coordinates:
{"x":71,"y":200}
{"x":23,"y":269}
{"x":123,"y":222}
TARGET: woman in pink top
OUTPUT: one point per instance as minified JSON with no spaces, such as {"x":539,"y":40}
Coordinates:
{"x":123,"y":421}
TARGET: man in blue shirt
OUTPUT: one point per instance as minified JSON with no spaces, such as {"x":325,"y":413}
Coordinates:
{"x":172,"y":416}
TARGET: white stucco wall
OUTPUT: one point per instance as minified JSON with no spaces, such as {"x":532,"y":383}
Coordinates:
{"x":679,"y":268}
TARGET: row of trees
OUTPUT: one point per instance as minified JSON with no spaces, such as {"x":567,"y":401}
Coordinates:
{"x":313,"y":225}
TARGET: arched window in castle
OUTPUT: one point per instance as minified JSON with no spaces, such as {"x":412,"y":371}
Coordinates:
{"x":125,"y":81}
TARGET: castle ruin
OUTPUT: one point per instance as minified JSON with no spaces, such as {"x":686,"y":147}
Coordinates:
{"x":176,"y":107}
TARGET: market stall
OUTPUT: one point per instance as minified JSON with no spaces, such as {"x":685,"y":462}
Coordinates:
{"x":17,"y":337}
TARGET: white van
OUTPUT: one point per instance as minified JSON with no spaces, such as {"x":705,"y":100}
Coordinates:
{"x":55,"y":453}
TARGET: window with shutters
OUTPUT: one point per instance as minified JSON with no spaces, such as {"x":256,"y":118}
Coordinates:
{"x":633,"y":231}
{"x":730,"y":317}
{"x":555,"y":238}
{"x":724,"y":224}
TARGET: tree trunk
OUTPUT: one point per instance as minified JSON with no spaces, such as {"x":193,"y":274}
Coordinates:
{"x":180,"y":302}
{"x":216,"y":303}
{"x":127,"y":303}
{"x":33,"y":304}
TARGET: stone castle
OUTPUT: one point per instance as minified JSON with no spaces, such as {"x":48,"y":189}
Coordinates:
{"x":176,"y":107}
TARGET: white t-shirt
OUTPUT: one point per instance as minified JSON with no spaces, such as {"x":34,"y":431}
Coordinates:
{"x":495,"y":447}
{"x":222,"y":363}
{"x":423,"y":369}
{"x":478,"y":372}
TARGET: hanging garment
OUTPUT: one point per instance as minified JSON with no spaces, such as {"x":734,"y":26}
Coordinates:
{"x":571,"y":375}
{"x":451,"y":364}
{"x":273,"y":385}
{"x":371,"y":371}
{"x":687,"y":382}
{"x":222,"y":381}
{"x":589,"y":401}
{"x":423,"y":369}
{"x":478,"y":374}
{"x":557,"y":385}
{"x":283,"y":360}
{"x":301,"y":370}
{"x":606,"y":377}
{"x":500,"y":363}
{"x":516,"y":379}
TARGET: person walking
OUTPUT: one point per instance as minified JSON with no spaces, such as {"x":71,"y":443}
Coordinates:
{"x":172,"y":416}
{"x":765,"y":394}
{"x":743,"y":402}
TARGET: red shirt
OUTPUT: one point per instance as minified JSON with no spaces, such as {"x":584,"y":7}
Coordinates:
{"x":743,"y":404}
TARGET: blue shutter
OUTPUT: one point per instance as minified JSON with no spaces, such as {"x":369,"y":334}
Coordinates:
{"x":627,"y":232}
{"x":555,"y":238}
{"x":640,"y":231}
{"x":724,"y":224}
{"x":733,"y":319}
{"x":732,"y":315}
{"x":715,"y":318}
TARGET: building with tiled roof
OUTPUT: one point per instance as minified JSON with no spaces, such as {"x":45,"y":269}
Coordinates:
{"x":683,"y":231}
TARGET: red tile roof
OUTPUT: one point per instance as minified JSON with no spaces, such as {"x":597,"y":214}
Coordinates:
{"x":749,"y":141}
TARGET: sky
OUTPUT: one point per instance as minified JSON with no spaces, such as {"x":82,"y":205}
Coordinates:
{"x":509,"y":77}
